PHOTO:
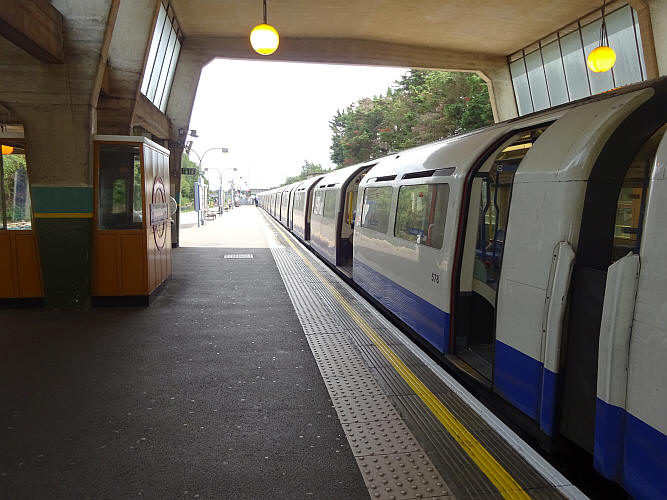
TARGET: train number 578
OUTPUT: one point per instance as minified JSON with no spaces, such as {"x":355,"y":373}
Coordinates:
{"x":435,"y":278}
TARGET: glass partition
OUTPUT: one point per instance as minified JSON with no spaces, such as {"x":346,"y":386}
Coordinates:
{"x":119,"y":204}
{"x":162,"y":57}
{"x":14,"y":190}
{"x":553,"y":70}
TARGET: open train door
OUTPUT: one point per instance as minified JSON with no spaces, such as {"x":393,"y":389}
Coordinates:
{"x":611,"y":227}
{"x":487,"y":221}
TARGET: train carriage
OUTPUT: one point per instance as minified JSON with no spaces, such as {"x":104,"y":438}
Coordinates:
{"x":333,"y":213}
{"x":529,"y":256}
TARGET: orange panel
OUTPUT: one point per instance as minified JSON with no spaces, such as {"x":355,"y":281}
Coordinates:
{"x":132,"y":274}
{"x":105,"y":264}
{"x":7,"y":269}
{"x":27,"y":263}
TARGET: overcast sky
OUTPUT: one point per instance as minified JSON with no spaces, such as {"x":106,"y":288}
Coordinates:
{"x":272,"y":115}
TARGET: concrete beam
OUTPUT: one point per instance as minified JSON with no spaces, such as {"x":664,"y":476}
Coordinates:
{"x":492,"y":68}
{"x":149,"y":117}
{"x":501,"y":92}
{"x":35,"y":26}
{"x":339,"y":51}
{"x":127,"y":54}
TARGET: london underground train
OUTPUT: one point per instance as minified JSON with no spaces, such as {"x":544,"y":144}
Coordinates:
{"x":531,"y":257}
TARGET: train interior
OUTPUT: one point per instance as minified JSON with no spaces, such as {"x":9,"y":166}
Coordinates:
{"x":349,"y":213}
{"x":483,"y":252}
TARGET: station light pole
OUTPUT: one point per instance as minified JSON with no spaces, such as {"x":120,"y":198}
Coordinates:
{"x":199,"y":170}
{"x":220,"y":172}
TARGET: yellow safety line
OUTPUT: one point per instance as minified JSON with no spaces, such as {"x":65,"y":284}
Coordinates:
{"x":500,"y":478}
{"x":64,"y":215}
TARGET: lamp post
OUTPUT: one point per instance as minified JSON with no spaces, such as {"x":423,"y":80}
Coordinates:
{"x":199,"y":172}
{"x":220,"y":172}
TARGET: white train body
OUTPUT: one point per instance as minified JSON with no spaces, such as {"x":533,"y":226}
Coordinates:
{"x":505,"y":250}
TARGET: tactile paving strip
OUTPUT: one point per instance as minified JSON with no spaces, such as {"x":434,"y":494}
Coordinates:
{"x":402,"y":476}
{"x":359,"y":396}
{"x":370,"y":421}
{"x":380,"y":438}
{"x":373,"y":408}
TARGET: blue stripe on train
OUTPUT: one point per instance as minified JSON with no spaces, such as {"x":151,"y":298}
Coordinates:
{"x":320,"y":246}
{"x":424,"y":318}
{"x":630,"y":452}
{"x":526,"y":383}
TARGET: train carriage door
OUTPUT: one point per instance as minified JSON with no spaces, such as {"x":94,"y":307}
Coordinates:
{"x":348,"y":215}
{"x":487,"y":222}
{"x":611,"y":228}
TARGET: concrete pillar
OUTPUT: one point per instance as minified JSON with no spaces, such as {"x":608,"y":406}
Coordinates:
{"x":658,"y":23}
{"x":56,"y":105}
{"x":501,"y":91}
{"x":179,"y":110}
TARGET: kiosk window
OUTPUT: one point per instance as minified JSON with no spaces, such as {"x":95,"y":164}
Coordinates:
{"x":421,"y":214}
{"x":375,"y":209}
{"x":120,"y":187}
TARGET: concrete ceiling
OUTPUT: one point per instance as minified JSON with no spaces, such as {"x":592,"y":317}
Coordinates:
{"x":497,"y":27}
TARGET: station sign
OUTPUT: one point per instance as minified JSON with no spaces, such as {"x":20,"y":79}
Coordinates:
{"x":159,"y":212}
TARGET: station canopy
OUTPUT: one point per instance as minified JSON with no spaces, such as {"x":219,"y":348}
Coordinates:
{"x":492,"y":27}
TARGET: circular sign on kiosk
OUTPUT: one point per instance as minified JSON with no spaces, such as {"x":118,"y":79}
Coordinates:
{"x":159,"y":213}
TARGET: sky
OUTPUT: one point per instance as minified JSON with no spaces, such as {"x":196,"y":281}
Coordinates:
{"x":274,"y":115}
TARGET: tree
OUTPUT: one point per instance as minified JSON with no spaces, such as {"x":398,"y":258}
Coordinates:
{"x":307,"y":169}
{"x":187,"y":185}
{"x":421,"y":107}
{"x":15,"y":182}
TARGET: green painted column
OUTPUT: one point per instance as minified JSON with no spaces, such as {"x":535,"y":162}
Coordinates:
{"x":63,"y":217}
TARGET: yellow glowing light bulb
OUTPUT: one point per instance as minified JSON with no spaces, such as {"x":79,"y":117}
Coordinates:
{"x":601,"y":59}
{"x":7,"y":150}
{"x":264,"y":39}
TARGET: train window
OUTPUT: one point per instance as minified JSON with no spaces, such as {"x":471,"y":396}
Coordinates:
{"x":318,"y":203}
{"x":15,"y":207}
{"x":632,"y":199}
{"x":330,"y":204}
{"x":421,"y":212}
{"x":375,"y":209}
{"x":120,"y":187}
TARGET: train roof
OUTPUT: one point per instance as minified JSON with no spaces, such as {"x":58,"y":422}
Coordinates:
{"x":338,"y":177}
{"x":307,"y":184}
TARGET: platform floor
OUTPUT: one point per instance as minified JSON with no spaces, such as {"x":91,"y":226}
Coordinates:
{"x":255,"y":373}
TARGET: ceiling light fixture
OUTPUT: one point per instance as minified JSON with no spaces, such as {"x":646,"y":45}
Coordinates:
{"x":603,"y":57}
{"x":264,"y":37}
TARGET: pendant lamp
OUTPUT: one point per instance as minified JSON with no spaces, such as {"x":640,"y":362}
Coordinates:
{"x":264,"y":37}
{"x":603,"y":57}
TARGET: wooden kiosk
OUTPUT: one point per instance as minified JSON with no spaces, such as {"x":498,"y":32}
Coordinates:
{"x":132,"y":230}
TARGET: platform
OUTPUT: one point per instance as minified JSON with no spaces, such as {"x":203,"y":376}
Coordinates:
{"x":255,"y":373}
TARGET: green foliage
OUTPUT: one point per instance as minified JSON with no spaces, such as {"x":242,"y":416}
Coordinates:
{"x":16,"y":196}
{"x":307,"y":169}
{"x":422,"y":107}
{"x":187,"y":185}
